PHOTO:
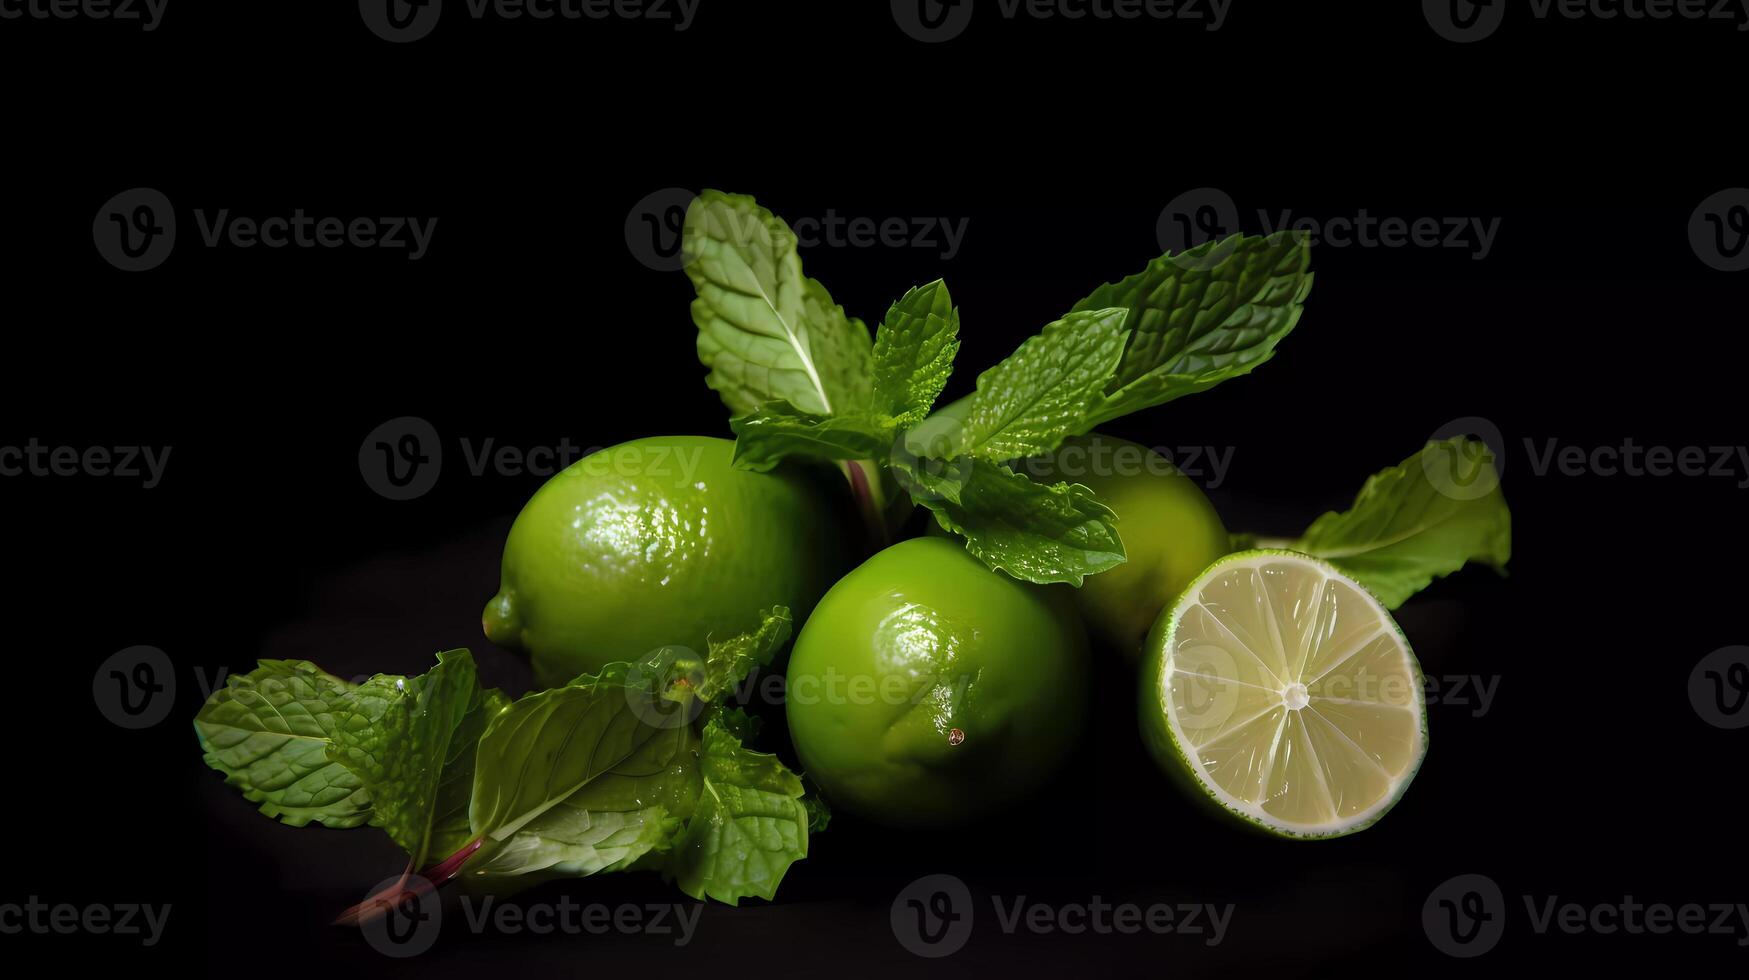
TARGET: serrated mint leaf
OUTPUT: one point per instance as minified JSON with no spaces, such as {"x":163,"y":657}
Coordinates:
{"x":613,"y":820}
{"x":748,"y":827}
{"x":1026,"y":405}
{"x":1198,"y":318}
{"x":777,"y":431}
{"x":412,"y":742}
{"x":1425,"y":519}
{"x":1033,"y":531}
{"x":914,"y":350}
{"x":730,"y":661}
{"x":766,"y":331}
{"x":547,"y":746}
{"x":268,"y":731}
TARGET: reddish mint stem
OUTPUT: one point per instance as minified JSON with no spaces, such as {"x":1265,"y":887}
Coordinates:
{"x":409,"y":885}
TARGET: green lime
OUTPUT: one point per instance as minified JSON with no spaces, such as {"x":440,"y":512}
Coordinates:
{"x":662,"y":542}
{"x":1280,"y":691}
{"x":928,"y":690}
{"x":1170,"y":533}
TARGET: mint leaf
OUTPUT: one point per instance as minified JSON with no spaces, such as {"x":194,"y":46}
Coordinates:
{"x":1043,"y":392}
{"x":914,"y":350}
{"x":412,"y":741}
{"x":585,"y":778}
{"x":268,"y":732}
{"x":1033,"y":531}
{"x":766,"y":331}
{"x":1198,"y":318}
{"x":748,"y":827}
{"x":1419,"y":521}
{"x":777,"y":431}
{"x":730,"y":661}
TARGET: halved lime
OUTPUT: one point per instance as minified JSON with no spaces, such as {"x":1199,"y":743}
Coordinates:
{"x":1283,"y":692}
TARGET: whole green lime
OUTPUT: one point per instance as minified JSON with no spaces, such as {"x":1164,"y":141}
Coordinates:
{"x":1169,"y":529}
{"x":928,"y":690}
{"x":660,"y":542}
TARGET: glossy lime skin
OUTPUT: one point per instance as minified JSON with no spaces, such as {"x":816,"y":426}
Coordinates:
{"x":927,"y":690}
{"x":1170,"y":532}
{"x":660,"y":542}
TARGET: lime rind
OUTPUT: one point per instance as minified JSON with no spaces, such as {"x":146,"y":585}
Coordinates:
{"x":1179,"y":759}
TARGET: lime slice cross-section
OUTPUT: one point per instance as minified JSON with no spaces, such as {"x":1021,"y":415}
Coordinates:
{"x":1281,"y":691}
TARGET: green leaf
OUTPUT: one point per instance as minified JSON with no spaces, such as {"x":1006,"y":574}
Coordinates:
{"x":730,"y":661}
{"x":777,"y":431}
{"x":1027,"y":405}
{"x":766,"y":331}
{"x":1033,"y":531}
{"x":412,"y":742}
{"x":268,"y":732}
{"x":1198,"y":318}
{"x":913,"y":354}
{"x":1419,"y":521}
{"x":585,"y":778}
{"x":749,"y":825}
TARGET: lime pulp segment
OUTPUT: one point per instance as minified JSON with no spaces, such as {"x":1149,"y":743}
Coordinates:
{"x":1292,"y":695}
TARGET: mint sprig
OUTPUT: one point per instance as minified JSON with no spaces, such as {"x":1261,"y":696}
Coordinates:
{"x":804,"y":382}
{"x":637,"y":765}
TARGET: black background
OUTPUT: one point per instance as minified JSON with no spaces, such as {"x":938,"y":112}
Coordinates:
{"x":1591,"y":322}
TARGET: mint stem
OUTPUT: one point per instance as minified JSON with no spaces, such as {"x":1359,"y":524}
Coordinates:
{"x":421,"y":885}
{"x":867,"y":502}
